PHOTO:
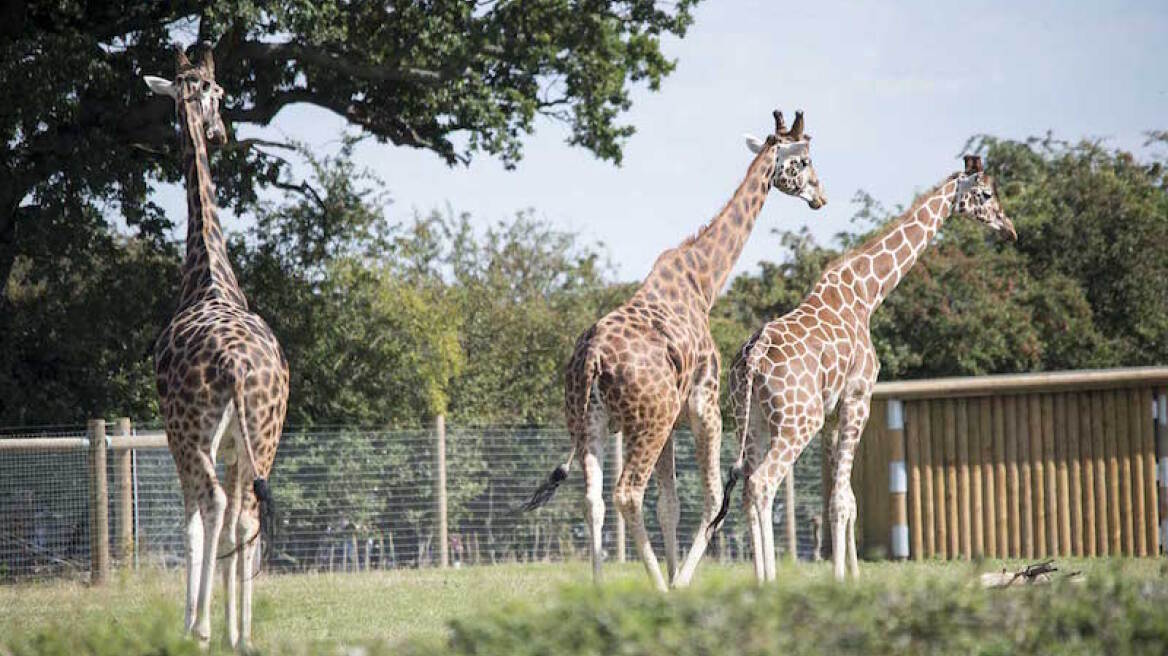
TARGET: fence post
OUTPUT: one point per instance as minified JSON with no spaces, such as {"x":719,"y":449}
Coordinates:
{"x":440,"y":491}
{"x":897,"y":481}
{"x":620,"y":520}
{"x":98,"y":504}
{"x":1160,"y":410}
{"x":124,"y":488}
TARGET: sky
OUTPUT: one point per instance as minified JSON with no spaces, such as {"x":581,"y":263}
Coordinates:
{"x":891,"y":92}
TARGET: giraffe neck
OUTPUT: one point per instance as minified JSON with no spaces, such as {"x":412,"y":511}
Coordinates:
{"x":879,"y":265}
{"x":207,"y":272}
{"x":702,"y":263}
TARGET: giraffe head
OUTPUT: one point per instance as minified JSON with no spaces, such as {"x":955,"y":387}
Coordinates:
{"x":794,"y":174}
{"x":195,"y":93}
{"x":977,"y":198}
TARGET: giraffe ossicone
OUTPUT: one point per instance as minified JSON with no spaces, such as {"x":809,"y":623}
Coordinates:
{"x":818,"y":360}
{"x":637,"y":368}
{"x":222,"y":380}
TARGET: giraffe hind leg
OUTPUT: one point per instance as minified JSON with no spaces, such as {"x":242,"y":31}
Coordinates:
{"x":629,"y":495}
{"x":229,"y":550}
{"x":668,"y":505}
{"x":590,"y":451}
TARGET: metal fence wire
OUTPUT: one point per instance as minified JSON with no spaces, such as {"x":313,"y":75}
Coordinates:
{"x":353,"y":499}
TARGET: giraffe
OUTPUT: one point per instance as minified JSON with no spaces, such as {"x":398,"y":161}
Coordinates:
{"x":219,"y":371}
{"x":818,"y":358}
{"x":638,"y":367}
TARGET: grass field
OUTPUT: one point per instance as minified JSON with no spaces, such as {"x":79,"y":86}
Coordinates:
{"x":545,"y":608}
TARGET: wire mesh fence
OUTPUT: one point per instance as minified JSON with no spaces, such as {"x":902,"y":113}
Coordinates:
{"x":354,"y":499}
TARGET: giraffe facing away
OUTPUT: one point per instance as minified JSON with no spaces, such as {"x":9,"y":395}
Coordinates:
{"x":220,"y":373}
{"x":636,"y":369}
{"x":818,"y":359}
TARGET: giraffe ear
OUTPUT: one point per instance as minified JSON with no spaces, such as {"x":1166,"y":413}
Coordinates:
{"x":160,"y":86}
{"x":753,"y":143}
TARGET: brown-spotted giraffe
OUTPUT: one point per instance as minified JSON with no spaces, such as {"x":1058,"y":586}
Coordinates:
{"x":637,"y":368}
{"x":818,"y":358}
{"x":220,"y":372}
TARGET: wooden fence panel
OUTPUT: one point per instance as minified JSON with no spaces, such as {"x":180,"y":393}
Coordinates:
{"x":927,"y":487}
{"x":912,"y":444}
{"x":1087,"y":458}
{"x":1002,"y":498}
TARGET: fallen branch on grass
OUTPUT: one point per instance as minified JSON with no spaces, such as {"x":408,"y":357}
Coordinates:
{"x":1036,"y":574}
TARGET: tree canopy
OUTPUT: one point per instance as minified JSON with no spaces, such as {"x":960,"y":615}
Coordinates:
{"x":458,"y":78}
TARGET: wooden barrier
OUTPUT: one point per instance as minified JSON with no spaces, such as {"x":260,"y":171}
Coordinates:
{"x":1023,"y":466}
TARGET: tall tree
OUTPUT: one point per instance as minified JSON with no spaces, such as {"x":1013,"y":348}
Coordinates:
{"x":450,"y":76}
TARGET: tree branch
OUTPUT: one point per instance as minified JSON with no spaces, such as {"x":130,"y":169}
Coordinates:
{"x":318,"y":57}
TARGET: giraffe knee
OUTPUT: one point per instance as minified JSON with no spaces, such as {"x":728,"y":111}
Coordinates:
{"x":627,"y":500}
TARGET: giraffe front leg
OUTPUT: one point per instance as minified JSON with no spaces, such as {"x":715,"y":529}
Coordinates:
{"x":853,"y":417}
{"x":705,"y":419}
{"x":668,"y":505}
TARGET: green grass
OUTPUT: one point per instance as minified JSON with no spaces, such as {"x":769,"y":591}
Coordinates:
{"x":552,"y":608}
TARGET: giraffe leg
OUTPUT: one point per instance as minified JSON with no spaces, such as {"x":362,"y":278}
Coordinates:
{"x":768,"y":530}
{"x":629,"y":495}
{"x":668,"y":505}
{"x":229,"y":546}
{"x":212,"y":506}
{"x":853,"y":417}
{"x":194,"y":553}
{"x":706,"y":420}
{"x":590,"y":452}
{"x":828,"y":445}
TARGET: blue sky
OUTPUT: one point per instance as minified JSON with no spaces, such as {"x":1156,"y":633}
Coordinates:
{"x":891,"y":91}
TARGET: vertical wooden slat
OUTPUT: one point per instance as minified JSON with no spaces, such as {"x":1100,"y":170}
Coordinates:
{"x":1099,"y":447}
{"x":1151,"y":503}
{"x":1063,"y":487}
{"x":1087,"y":459}
{"x":1075,"y":473}
{"x":928,"y":496}
{"x":877,"y":525}
{"x":1002,"y":496}
{"x":1014,"y":486}
{"x":1026,"y":489}
{"x":1038,"y":472}
{"x":953,"y":525}
{"x":973,"y":454}
{"x":1123,"y":449}
{"x":896,"y":475}
{"x":1051,"y":473}
{"x":940,"y":477}
{"x":1161,"y":425}
{"x":1136,"y":444}
{"x":964,"y":487}
{"x":912,"y":446}
{"x":1114,"y":512}
{"x":986,"y":454}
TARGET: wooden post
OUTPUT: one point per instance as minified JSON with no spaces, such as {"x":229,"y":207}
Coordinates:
{"x":1122,"y":439}
{"x":912,"y":444}
{"x":1135,"y":412}
{"x":973,"y":457}
{"x":1099,"y":449}
{"x":897,"y":481}
{"x":620,"y":520}
{"x":1014,"y":481}
{"x":1048,"y":459}
{"x":1087,"y":458}
{"x":1074,"y":466}
{"x":953,"y":523}
{"x":940,"y":477}
{"x":440,"y":489}
{"x":1162,"y":454}
{"x":1038,"y":474}
{"x":988,"y":498}
{"x":1151,"y":505}
{"x":964,"y":491}
{"x":1001,"y":496}
{"x":99,"y":504}
{"x":925,"y":433}
{"x":789,"y":507}
{"x":124,"y":488}
{"x":1115,"y":515}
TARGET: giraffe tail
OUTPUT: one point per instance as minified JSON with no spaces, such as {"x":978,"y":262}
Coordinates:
{"x":547,"y":489}
{"x":263,"y":491}
{"x":745,"y":400}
